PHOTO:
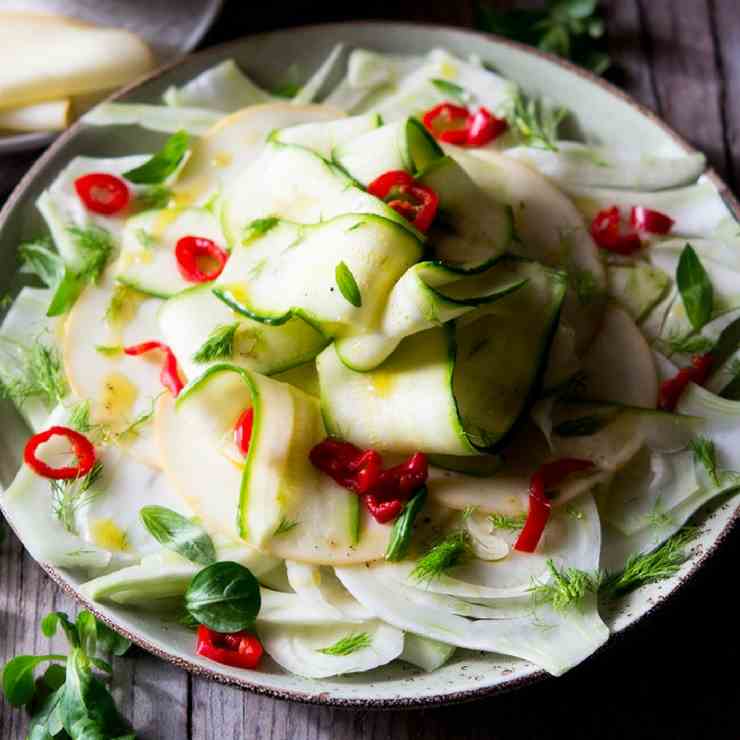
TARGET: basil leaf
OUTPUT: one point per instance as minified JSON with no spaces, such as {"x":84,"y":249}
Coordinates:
{"x":157,"y":169}
{"x":109,"y":641}
{"x":347,"y":284}
{"x":45,"y":723}
{"x":224,"y":596}
{"x":177,"y":533}
{"x":695,"y":287}
{"x":18,"y":683}
{"x":86,"y":708}
{"x":87,"y":629}
{"x":727,"y":343}
{"x":39,"y":258}
{"x":51,"y":622}
{"x":398,"y":544}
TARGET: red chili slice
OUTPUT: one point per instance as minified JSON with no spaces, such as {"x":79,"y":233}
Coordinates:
{"x":447,"y":122}
{"x":415,"y":202}
{"x":455,"y":124}
{"x":383,"y":492}
{"x":606,"y":230}
{"x":102,"y":193}
{"x":240,"y":649}
{"x":349,"y":466}
{"x":654,"y":222}
{"x":484,"y":127}
{"x":170,"y":374}
{"x":81,"y":445}
{"x":546,"y":477}
{"x":672,"y":389}
{"x":243,"y":430}
{"x":190,"y":249}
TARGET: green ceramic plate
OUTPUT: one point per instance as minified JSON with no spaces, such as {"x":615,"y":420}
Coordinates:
{"x":601,"y":112}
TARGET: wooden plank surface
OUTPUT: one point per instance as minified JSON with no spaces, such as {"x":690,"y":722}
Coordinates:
{"x":669,"y":677}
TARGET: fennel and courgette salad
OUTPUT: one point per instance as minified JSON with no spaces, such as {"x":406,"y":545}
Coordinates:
{"x":375,"y":372}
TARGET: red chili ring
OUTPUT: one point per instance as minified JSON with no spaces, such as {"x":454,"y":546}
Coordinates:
{"x":81,"y":446}
{"x":102,"y":193}
{"x":191,"y":248}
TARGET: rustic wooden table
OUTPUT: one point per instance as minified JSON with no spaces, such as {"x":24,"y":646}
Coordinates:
{"x":668,"y":677}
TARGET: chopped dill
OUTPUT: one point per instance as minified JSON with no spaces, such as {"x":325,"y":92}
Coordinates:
{"x":348,"y":645}
{"x":219,"y":345}
{"x":505,"y":521}
{"x":146,"y":238}
{"x":535,"y":124}
{"x":285,"y":526}
{"x":468,"y":511}
{"x":79,"y":417}
{"x":583,"y":282}
{"x":67,"y":496}
{"x":446,"y":554}
{"x":109,"y":350}
{"x":705,"y":454}
{"x":96,"y":246}
{"x":567,"y":588}
{"x":37,"y":373}
{"x":661,"y":563}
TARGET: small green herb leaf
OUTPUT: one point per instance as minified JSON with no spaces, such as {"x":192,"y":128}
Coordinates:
{"x":727,"y":343}
{"x":507,"y":522}
{"x":446,"y":554}
{"x":224,"y":596}
{"x":403,"y":527}
{"x":67,"y":496}
{"x":688,"y":344}
{"x":347,"y":284}
{"x":695,"y":287}
{"x":348,"y":645}
{"x":157,"y":169}
{"x":705,"y":455}
{"x":259,"y":227}
{"x":219,"y":345}
{"x":451,"y":90}
{"x":174,"y":531}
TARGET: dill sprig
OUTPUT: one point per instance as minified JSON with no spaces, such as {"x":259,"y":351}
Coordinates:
{"x":96,"y":246}
{"x":79,"y":417}
{"x":705,"y":454}
{"x":285,"y":526}
{"x":37,"y":374}
{"x":132,"y":430}
{"x":505,"y":521}
{"x":348,"y":645}
{"x":219,"y":345}
{"x":446,"y":554}
{"x":568,"y":587}
{"x":67,"y":496}
{"x":535,"y":123}
{"x":661,"y":563}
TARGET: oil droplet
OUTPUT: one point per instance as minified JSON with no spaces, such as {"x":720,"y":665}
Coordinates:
{"x":222,"y":159}
{"x":117,"y":398}
{"x":107,"y":534}
{"x":382,"y":383}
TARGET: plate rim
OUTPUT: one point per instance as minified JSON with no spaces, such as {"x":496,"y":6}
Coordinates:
{"x":325,"y":698}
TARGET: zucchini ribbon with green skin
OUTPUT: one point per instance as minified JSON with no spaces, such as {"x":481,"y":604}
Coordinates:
{"x":458,"y":389}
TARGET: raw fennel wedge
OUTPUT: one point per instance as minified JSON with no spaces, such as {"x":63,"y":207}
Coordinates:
{"x":384,"y":372}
